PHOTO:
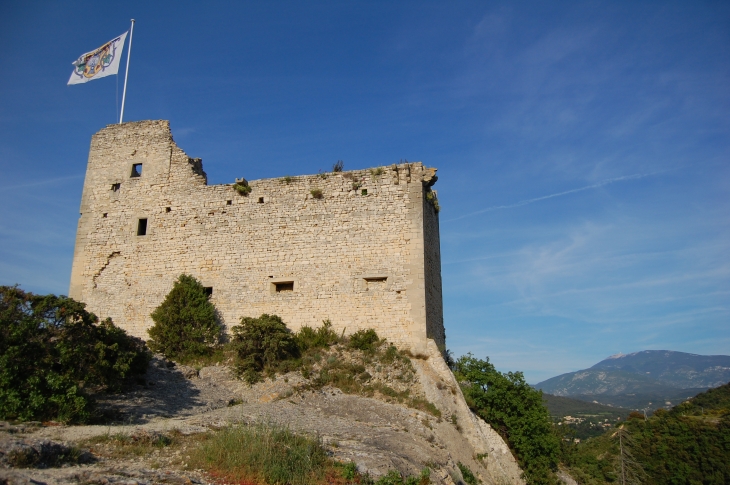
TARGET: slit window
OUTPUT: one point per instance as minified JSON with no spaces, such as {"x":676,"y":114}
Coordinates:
{"x":142,"y":227}
{"x":284,"y":286}
{"x":115,"y":187}
{"x":208,"y":291}
{"x":375,"y":282}
{"x":136,"y":170}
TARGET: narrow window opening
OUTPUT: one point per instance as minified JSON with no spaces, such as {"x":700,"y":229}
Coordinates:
{"x":142,"y":227}
{"x":208,"y":291}
{"x":104,"y":215}
{"x":364,"y":192}
{"x":375,"y":282}
{"x":168,"y":209}
{"x":284,"y":286}
{"x":261,"y":200}
{"x":136,"y":170}
{"x":115,"y":187}
{"x":229,"y":202}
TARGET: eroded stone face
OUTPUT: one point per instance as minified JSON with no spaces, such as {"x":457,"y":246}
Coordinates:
{"x":360,"y":248}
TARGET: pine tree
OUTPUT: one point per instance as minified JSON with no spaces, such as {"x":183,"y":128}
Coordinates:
{"x":186,"y":324}
{"x":629,"y":471}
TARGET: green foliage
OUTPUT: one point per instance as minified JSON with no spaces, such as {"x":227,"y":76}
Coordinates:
{"x":54,"y":354}
{"x":287,"y":180}
{"x":308,"y":338}
{"x":186,"y":324}
{"x":365,"y":340}
{"x":264,"y":453}
{"x":516,"y":411}
{"x":393,"y":477}
{"x":317,"y":193}
{"x":262,"y":344}
{"x":242,"y":188}
{"x":689,"y":444}
{"x":469,"y":477}
{"x":375,"y":172}
{"x":433,"y":199}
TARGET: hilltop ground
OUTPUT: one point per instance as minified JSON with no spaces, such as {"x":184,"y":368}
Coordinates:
{"x":378,"y":433}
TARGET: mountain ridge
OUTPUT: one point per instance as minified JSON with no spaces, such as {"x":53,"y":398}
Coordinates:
{"x":645,"y":379}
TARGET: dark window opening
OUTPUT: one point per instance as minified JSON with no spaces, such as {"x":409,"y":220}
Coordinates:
{"x":115,"y":187}
{"x":208,"y":291}
{"x":261,"y":200}
{"x":104,"y":215}
{"x":284,"y":286}
{"x":136,"y":170}
{"x":229,"y":202}
{"x":168,"y":209}
{"x":142,"y":227}
{"x":376,"y":279}
{"x":364,"y":192}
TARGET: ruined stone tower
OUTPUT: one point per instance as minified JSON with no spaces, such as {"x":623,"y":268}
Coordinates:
{"x":364,"y":255}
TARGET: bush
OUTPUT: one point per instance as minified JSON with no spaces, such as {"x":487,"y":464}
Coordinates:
{"x":54,"y":355}
{"x":338,"y":166}
{"x":261,"y":344}
{"x":309,"y":338}
{"x":316,"y":193}
{"x":186,"y":324}
{"x":365,"y":340}
{"x":516,"y":411}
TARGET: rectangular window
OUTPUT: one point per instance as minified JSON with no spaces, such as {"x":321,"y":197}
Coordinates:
{"x":115,"y":187}
{"x":261,"y":200}
{"x":136,"y":170}
{"x":284,"y":286}
{"x":208,"y":291}
{"x":375,"y":283}
{"x":142,"y":227}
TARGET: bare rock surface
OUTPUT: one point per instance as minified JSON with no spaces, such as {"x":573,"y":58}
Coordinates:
{"x":376,"y":435}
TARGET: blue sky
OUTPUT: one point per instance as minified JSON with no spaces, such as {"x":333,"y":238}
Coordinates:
{"x":583,"y":147}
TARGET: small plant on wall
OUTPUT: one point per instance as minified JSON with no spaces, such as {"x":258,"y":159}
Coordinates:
{"x":287,"y":180}
{"x":316,"y":193}
{"x":242,"y":187}
{"x":376,"y":172}
{"x":433,"y":199}
{"x":337,"y":167}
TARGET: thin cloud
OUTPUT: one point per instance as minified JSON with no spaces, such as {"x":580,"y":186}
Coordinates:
{"x":7,"y":188}
{"x":559,"y":194}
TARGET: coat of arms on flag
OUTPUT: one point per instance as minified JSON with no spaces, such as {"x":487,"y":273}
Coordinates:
{"x":98,"y":63}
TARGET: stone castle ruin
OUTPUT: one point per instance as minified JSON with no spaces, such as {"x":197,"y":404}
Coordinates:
{"x":360,"y":248}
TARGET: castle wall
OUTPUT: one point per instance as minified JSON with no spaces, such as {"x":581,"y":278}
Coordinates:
{"x":362,"y":261}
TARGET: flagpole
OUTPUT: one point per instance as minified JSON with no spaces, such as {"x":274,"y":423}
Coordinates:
{"x":126,"y":74}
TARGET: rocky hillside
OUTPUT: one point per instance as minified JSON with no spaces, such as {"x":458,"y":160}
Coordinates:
{"x":415,"y":418}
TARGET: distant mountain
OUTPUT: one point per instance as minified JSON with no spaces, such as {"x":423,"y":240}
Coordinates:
{"x":675,"y":369}
{"x":652,"y":378}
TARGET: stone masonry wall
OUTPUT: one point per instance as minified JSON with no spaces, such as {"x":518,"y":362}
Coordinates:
{"x":361,"y":259}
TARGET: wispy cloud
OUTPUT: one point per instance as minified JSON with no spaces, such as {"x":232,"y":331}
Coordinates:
{"x":558,"y":194}
{"x":7,"y":188}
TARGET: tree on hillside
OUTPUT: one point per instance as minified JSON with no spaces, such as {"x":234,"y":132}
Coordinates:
{"x":54,"y":355}
{"x":186,"y":324}
{"x":516,"y":411}
{"x":629,"y":471}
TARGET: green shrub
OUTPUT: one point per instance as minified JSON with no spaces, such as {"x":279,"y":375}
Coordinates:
{"x":316,"y":193}
{"x":365,"y":340}
{"x":468,"y":475}
{"x":433,"y":199}
{"x":309,"y":338}
{"x":516,"y":411}
{"x":186,"y":324}
{"x":262,"y":344}
{"x":54,"y":355}
{"x":242,"y":189}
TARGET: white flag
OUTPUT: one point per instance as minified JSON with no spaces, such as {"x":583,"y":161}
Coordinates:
{"x":98,"y":63}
